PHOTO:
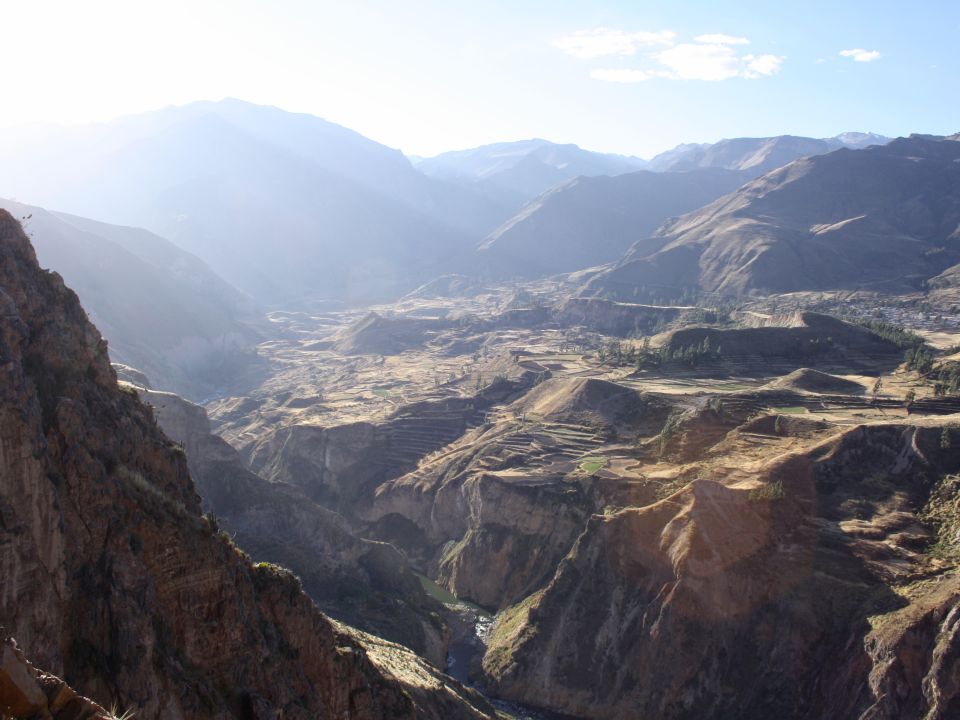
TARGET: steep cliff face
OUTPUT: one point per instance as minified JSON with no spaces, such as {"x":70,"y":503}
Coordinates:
{"x":364,"y":583}
{"x":113,"y":579}
{"x":808,"y":592}
{"x":493,"y":514}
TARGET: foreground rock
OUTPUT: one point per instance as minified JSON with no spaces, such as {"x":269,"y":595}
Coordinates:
{"x":114,"y":581}
{"x":26,"y":691}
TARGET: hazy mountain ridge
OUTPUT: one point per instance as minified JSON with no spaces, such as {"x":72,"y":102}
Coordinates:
{"x":758,"y":155}
{"x":591,"y":221}
{"x":161,"y":308}
{"x":594,"y":220}
{"x":277,"y":203}
{"x":289,"y":207}
{"x":525,"y":168}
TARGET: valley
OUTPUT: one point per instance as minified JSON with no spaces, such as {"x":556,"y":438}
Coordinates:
{"x":522,"y":431}
{"x":497,"y":438}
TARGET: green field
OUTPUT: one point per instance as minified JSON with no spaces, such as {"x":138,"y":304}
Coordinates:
{"x":590,"y":465}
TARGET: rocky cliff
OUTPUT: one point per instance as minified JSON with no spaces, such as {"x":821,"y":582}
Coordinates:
{"x":809,"y":590}
{"x":495,"y":512}
{"x":26,"y":691}
{"x":114,"y":581}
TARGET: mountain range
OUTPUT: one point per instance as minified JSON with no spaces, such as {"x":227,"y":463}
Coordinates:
{"x":758,"y":155}
{"x":291,"y":209}
{"x":525,"y":168}
{"x":554,"y":490}
{"x":885,"y":218}
{"x":283,"y":206}
{"x":594,"y":220}
{"x":589,"y":221}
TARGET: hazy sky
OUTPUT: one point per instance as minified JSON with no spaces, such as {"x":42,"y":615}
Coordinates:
{"x":426,"y":76}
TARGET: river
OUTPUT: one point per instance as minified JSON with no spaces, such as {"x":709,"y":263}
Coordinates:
{"x":471,"y":626}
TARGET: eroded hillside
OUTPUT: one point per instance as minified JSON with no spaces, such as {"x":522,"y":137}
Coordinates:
{"x":757,"y":510}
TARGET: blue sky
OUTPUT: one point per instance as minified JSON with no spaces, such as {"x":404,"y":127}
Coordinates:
{"x":425,"y":76}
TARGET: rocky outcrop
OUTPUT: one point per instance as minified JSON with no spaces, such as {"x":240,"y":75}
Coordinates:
{"x":26,"y":691}
{"x":114,"y":581}
{"x":488,"y":539}
{"x":161,"y":309}
{"x":806,"y":592}
{"x":366,"y":584}
{"x":127,"y":374}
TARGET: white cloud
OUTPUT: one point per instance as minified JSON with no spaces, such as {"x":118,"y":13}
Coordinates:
{"x":721,"y":39}
{"x":861,"y":55}
{"x":710,"y":57}
{"x":620,"y":75}
{"x":713,"y":62}
{"x":761,"y":65}
{"x":697,"y":61}
{"x":603,"y":42}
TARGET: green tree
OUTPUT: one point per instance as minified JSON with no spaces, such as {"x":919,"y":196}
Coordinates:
{"x":909,"y":398}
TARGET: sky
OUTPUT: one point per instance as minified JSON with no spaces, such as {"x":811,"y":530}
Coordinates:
{"x":428,"y":76}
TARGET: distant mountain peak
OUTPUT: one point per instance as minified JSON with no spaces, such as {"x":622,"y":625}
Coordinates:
{"x":758,"y":154}
{"x":525,"y":168}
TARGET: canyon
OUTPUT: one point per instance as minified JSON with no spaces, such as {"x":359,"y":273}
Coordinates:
{"x":574,"y":435}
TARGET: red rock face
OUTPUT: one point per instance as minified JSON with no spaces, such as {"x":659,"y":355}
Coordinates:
{"x":112,"y":579}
